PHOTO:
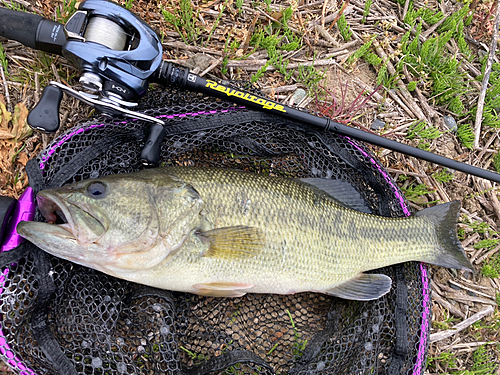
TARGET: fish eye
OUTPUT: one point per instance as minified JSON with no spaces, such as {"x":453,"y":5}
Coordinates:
{"x":96,"y":189}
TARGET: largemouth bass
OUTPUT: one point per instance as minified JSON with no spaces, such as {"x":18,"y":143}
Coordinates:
{"x":219,"y":232}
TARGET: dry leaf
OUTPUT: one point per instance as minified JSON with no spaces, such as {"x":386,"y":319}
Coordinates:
{"x":3,"y":180}
{"x":5,"y":134}
{"x":20,"y":127}
{"x":5,"y":116}
{"x":23,"y":159}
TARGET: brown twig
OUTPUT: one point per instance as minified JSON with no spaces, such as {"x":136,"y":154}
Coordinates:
{"x":25,"y":4}
{"x":447,"y":305}
{"x":405,"y":9}
{"x":405,"y":95}
{"x":325,"y":3}
{"x":462,"y":325}
{"x":212,"y":66}
{"x":488,"y":254}
{"x":6,"y":88}
{"x":184,"y":46}
{"x":339,"y":14}
{"x":257,"y":64}
{"x":492,"y":194}
{"x":431,"y":29}
{"x":326,"y":35}
{"x":486,"y":78}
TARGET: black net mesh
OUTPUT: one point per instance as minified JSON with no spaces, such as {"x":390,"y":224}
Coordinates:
{"x":59,"y":317}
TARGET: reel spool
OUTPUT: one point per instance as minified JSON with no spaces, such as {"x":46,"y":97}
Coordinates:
{"x":106,"y":32}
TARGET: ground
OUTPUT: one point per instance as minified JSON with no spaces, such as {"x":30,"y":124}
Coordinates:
{"x":415,"y":67}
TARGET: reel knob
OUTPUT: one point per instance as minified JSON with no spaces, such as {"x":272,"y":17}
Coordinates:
{"x":45,"y":115}
{"x":150,"y":153}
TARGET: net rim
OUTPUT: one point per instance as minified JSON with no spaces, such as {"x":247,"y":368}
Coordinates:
{"x":45,"y":156}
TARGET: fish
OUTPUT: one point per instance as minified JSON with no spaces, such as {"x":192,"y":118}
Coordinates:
{"x":224,"y":233}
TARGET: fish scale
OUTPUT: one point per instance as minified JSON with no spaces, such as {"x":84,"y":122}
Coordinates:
{"x":227,"y":233}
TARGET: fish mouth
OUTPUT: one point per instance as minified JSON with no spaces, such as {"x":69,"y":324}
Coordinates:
{"x":72,"y":217}
{"x":55,"y":211}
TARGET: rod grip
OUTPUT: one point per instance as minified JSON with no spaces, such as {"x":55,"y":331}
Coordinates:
{"x":32,"y":30}
{"x":19,"y":26}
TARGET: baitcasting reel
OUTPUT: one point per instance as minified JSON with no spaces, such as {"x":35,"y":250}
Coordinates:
{"x":115,"y":52}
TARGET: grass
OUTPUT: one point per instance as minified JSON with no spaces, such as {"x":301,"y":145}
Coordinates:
{"x":183,"y":19}
{"x":424,"y":133}
{"x":433,"y":68}
{"x":443,"y":176}
{"x":299,"y":344}
{"x":482,"y":362}
{"x":276,"y":37}
{"x":344,"y":28}
{"x":197,"y":358}
{"x":3,"y":59}
{"x":416,"y":193}
{"x":65,"y":10}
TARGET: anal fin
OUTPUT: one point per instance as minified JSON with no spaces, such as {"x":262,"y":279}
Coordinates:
{"x":364,"y":287}
{"x":222,"y":289}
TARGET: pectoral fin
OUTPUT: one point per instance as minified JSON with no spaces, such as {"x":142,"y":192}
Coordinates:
{"x":233,"y":242}
{"x":364,"y":287}
{"x":222,"y":289}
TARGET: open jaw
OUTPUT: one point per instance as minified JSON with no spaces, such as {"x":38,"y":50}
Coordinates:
{"x":69,"y":231}
{"x":78,"y":218}
{"x":55,"y":211}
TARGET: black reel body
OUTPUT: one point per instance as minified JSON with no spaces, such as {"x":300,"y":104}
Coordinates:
{"x":58,"y":317}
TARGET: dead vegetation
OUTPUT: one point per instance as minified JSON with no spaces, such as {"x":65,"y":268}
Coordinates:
{"x":427,"y":73}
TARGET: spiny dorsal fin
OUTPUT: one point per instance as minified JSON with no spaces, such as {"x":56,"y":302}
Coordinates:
{"x":233,"y":242}
{"x":364,"y":287}
{"x":341,"y":191}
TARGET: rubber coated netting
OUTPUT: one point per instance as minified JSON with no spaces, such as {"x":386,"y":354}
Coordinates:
{"x":62,"y":318}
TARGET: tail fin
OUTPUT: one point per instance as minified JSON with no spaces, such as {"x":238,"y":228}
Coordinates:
{"x":451,"y":253}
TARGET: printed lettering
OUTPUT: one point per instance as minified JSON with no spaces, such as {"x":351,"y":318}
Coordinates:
{"x":211,"y":84}
{"x":269,"y":105}
{"x":266,"y":104}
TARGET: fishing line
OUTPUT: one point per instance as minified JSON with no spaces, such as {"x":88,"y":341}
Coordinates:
{"x":106,"y":32}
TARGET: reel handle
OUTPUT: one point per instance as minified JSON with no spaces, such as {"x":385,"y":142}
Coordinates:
{"x":150,"y":153}
{"x":45,"y":115}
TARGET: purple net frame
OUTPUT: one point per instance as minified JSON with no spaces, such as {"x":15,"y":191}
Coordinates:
{"x":16,"y":363}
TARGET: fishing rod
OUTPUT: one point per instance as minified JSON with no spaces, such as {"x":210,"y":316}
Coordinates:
{"x":118,"y":55}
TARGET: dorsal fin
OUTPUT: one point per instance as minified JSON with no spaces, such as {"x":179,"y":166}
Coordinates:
{"x":343,"y":192}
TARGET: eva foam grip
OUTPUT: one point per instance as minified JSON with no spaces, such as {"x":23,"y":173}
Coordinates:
{"x":19,"y":26}
{"x":7,"y":205}
{"x":32,"y":30}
